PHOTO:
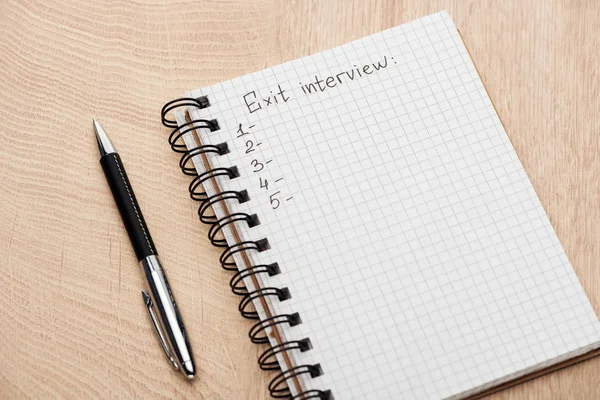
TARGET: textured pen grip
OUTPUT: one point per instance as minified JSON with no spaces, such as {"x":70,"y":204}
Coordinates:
{"x":128,"y":206}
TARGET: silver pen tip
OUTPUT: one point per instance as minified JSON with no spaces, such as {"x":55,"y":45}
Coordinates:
{"x":188,"y":369}
{"x":104,"y":144}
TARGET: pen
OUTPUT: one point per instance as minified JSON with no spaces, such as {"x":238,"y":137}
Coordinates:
{"x":168,"y":324}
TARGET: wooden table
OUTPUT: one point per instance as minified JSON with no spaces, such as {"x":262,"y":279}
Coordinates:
{"x":72,"y":321}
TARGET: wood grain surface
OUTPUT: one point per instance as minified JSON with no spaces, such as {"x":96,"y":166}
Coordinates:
{"x":72,"y":320}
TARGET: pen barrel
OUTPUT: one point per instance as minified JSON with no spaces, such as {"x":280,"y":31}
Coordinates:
{"x":169,"y":316}
{"x":128,"y":206}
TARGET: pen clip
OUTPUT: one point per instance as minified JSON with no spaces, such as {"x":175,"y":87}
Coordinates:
{"x":157,"y":328}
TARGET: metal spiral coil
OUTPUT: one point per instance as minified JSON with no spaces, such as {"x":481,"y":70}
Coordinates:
{"x":268,"y":359}
{"x":237,"y":281}
{"x":251,"y":220}
{"x":206,"y":205}
{"x":258,"y":334}
{"x":199,"y":102}
{"x":281,"y":294}
{"x":226,"y":258}
{"x":196,"y":187}
{"x":278,"y":387}
{"x":313,"y":394}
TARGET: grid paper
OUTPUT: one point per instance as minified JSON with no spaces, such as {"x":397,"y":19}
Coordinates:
{"x":415,"y":249}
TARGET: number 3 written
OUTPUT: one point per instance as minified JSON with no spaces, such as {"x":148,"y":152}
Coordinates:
{"x":258,"y":166}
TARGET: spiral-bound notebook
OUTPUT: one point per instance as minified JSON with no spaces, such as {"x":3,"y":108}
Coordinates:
{"x":381,"y":229}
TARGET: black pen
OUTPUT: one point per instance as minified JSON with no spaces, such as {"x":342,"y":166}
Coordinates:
{"x":160,"y":297}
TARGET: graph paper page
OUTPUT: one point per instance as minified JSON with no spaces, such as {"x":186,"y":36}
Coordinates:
{"x":414,"y":247}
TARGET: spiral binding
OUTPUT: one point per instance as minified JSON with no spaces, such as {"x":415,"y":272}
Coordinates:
{"x":278,"y":387}
{"x":268,"y":360}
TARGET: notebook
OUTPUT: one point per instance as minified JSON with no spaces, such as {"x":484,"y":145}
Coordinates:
{"x":379,"y":226}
